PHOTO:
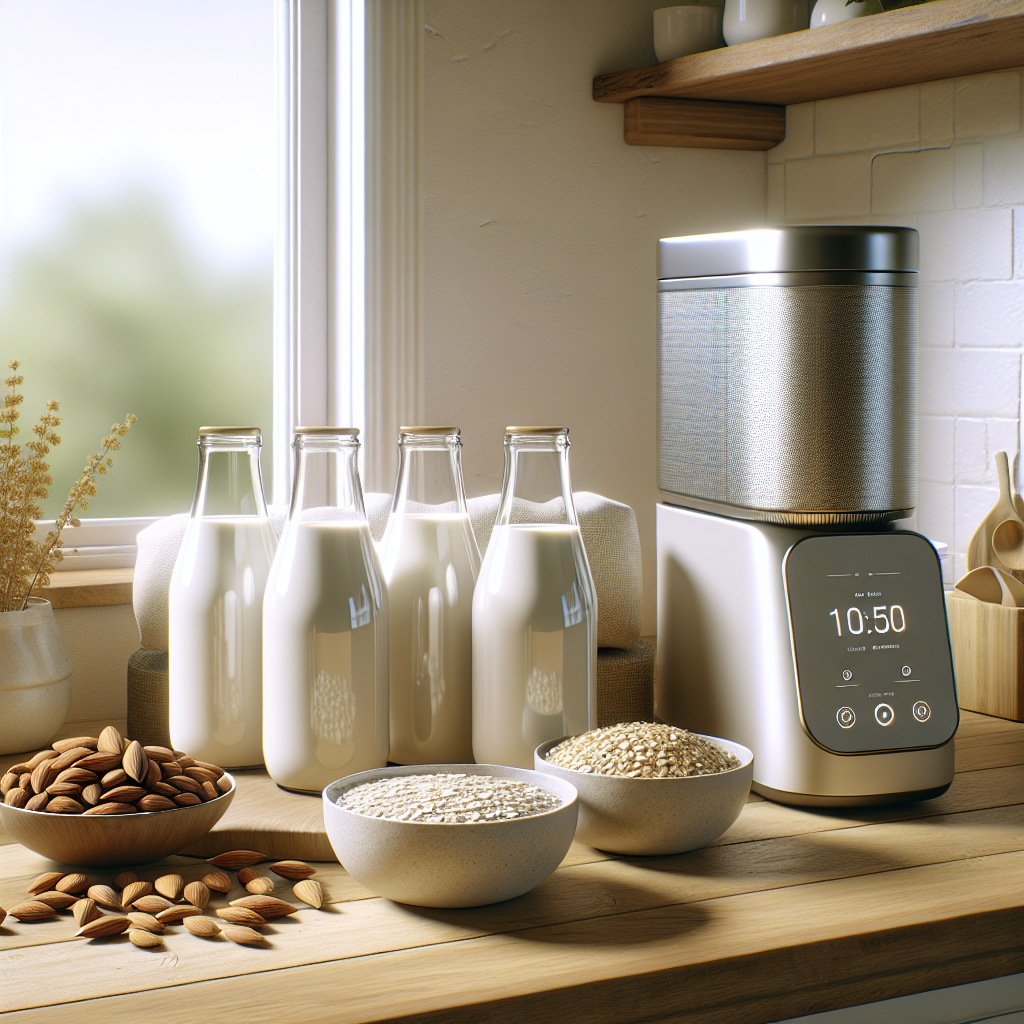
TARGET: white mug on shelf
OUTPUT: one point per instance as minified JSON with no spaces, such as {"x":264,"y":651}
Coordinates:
{"x":746,"y":20}
{"x":830,"y":12}
{"x":690,"y":28}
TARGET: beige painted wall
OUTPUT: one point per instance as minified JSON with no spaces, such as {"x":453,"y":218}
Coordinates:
{"x":541,"y":227}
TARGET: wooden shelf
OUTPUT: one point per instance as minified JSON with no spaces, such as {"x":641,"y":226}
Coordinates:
{"x":943,"y":39}
{"x":88,"y":588}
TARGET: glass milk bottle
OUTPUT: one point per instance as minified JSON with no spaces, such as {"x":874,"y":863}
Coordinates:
{"x":431,"y":562}
{"x":325,"y":625}
{"x":215,"y":693}
{"x":534,"y":609}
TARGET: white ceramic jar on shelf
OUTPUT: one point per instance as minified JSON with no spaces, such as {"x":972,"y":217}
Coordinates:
{"x":534,"y":609}
{"x":431,"y":562}
{"x":747,"y":20}
{"x":325,"y":625}
{"x":215,"y":605}
{"x":831,"y":12}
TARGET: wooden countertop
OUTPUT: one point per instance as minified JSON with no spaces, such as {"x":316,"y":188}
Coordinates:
{"x":790,"y":912}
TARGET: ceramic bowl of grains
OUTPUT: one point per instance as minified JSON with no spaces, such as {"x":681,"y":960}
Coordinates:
{"x":647,"y":788}
{"x":450,"y":835}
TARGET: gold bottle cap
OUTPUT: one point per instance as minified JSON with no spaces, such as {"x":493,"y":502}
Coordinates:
{"x":536,"y":430}
{"x":230,"y":431}
{"x":428,"y":430}
{"x":331,"y":431}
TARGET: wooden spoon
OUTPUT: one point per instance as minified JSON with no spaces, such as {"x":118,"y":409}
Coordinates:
{"x":1008,"y":544}
{"x":980,"y":551}
{"x":993,"y":586}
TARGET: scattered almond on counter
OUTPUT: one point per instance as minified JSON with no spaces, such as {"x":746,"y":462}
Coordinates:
{"x":260,"y":886}
{"x":292,"y":869}
{"x":217,"y":881}
{"x":104,"y":927}
{"x":170,"y":886}
{"x":238,"y":859}
{"x":242,"y":935}
{"x":203,"y":927}
{"x":32,"y":910}
{"x":241,"y":915}
{"x":144,"y":939}
{"x":310,"y":892}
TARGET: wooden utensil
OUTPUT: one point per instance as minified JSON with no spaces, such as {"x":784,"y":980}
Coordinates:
{"x":994,"y":586}
{"x":980,"y":551}
{"x":1008,"y":544}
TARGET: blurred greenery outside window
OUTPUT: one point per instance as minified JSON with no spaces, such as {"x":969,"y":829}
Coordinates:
{"x":137,"y":206}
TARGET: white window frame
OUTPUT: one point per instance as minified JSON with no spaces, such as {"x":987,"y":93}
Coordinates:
{"x":348,"y":291}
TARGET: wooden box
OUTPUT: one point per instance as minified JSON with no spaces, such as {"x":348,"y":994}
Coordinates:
{"x":988,"y":655}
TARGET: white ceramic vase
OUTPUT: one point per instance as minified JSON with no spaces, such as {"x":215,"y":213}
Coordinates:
{"x":35,"y":678}
{"x":747,"y":20}
{"x":831,"y":12}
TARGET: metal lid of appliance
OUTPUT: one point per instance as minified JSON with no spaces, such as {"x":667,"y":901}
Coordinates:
{"x":787,"y":249}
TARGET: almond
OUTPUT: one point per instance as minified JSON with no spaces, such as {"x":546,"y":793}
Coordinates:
{"x":117,"y":777}
{"x":217,"y":881}
{"x":75,"y":882}
{"x":172,"y":915}
{"x":224,"y":783}
{"x":215,"y":769}
{"x":246,"y":875}
{"x":3,"y":914}
{"x":37,"y":802}
{"x":238,"y":859}
{"x":201,"y":775}
{"x":169,"y":886}
{"x":113,"y":808}
{"x":159,"y":754}
{"x":261,"y":886}
{"x":69,"y":757}
{"x":25,"y":782}
{"x":164,"y":790}
{"x":187,"y":800}
{"x":144,"y":939}
{"x":145,"y":921}
{"x":292,"y":869}
{"x":135,"y":762}
{"x":85,"y":910}
{"x":63,"y":805}
{"x":110,"y":742}
{"x":64,"y":789}
{"x":210,"y":791}
{"x":124,"y":878}
{"x":37,"y":759}
{"x":168,"y":769}
{"x":16,"y":797}
{"x":204,"y":927}
{"x":184,"y":760}
{"x":268,"y":907}
{"x":75,"y":741}
{"x":47,"y":880}
{"x":8,"y":782}
{"x":240,"y":915}
{"x":153,"y":775}
{"x":242,"y":935}
{"x":91,"y":795}
{"x":42,"y":776}
{"x":79,"y":776}
{"x":105,"y":896}
{"x":310,"y":891}
{"x":155,"y":802}
{"x":184,"y":784}
{"x":32,"y":910}
{"x":197,"y":894}
{"x":101,"y":762}
{"x":57,"y":900}
{"x":104,"y":927}
{"x":152,"y":904}
{"x":135,"y":890}
{"x":123,"y":795}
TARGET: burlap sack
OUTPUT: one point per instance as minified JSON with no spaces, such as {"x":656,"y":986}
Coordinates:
{"x":612,"y":543}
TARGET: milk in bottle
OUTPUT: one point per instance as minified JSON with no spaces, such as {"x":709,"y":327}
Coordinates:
{"x":325,"y":625}
{"x":430,"y":561}
{"x":215,"y":605}
{"x":534,"y":609}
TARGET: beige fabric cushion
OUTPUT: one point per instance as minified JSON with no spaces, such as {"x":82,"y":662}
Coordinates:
{"x":158,"y":550}
{"x":612,"y":543}
{"x":625,"y":685}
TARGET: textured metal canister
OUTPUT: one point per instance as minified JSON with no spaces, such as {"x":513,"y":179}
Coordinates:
{"x":787,"y":374}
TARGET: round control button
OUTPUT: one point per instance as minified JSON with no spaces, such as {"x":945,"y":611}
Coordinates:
{"x":884,"y":714}
{"x":845,"y":717}
{"x":847,"y":674}
{"x":922,"y":712}
{"x":906,"y":670}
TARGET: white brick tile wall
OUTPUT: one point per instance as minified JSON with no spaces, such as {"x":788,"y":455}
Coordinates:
{"x":921,"y":180}
{"x":969,"y":179}
{"x":948,"y":158}
{"x":1004,"y":171}
{"x":936,"y":313}
{"x":872,"y":120}
{"x":987,"y":104}
{"x":935,"y":449}
{"x":966,"y":245}
{"x":990,"y":314}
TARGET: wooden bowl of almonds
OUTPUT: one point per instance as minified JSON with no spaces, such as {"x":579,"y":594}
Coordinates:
{"x":649,"y":789}
{"x":106,"y":801}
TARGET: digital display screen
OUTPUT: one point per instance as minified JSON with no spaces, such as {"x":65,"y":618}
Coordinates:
{"x":868,"y":621}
